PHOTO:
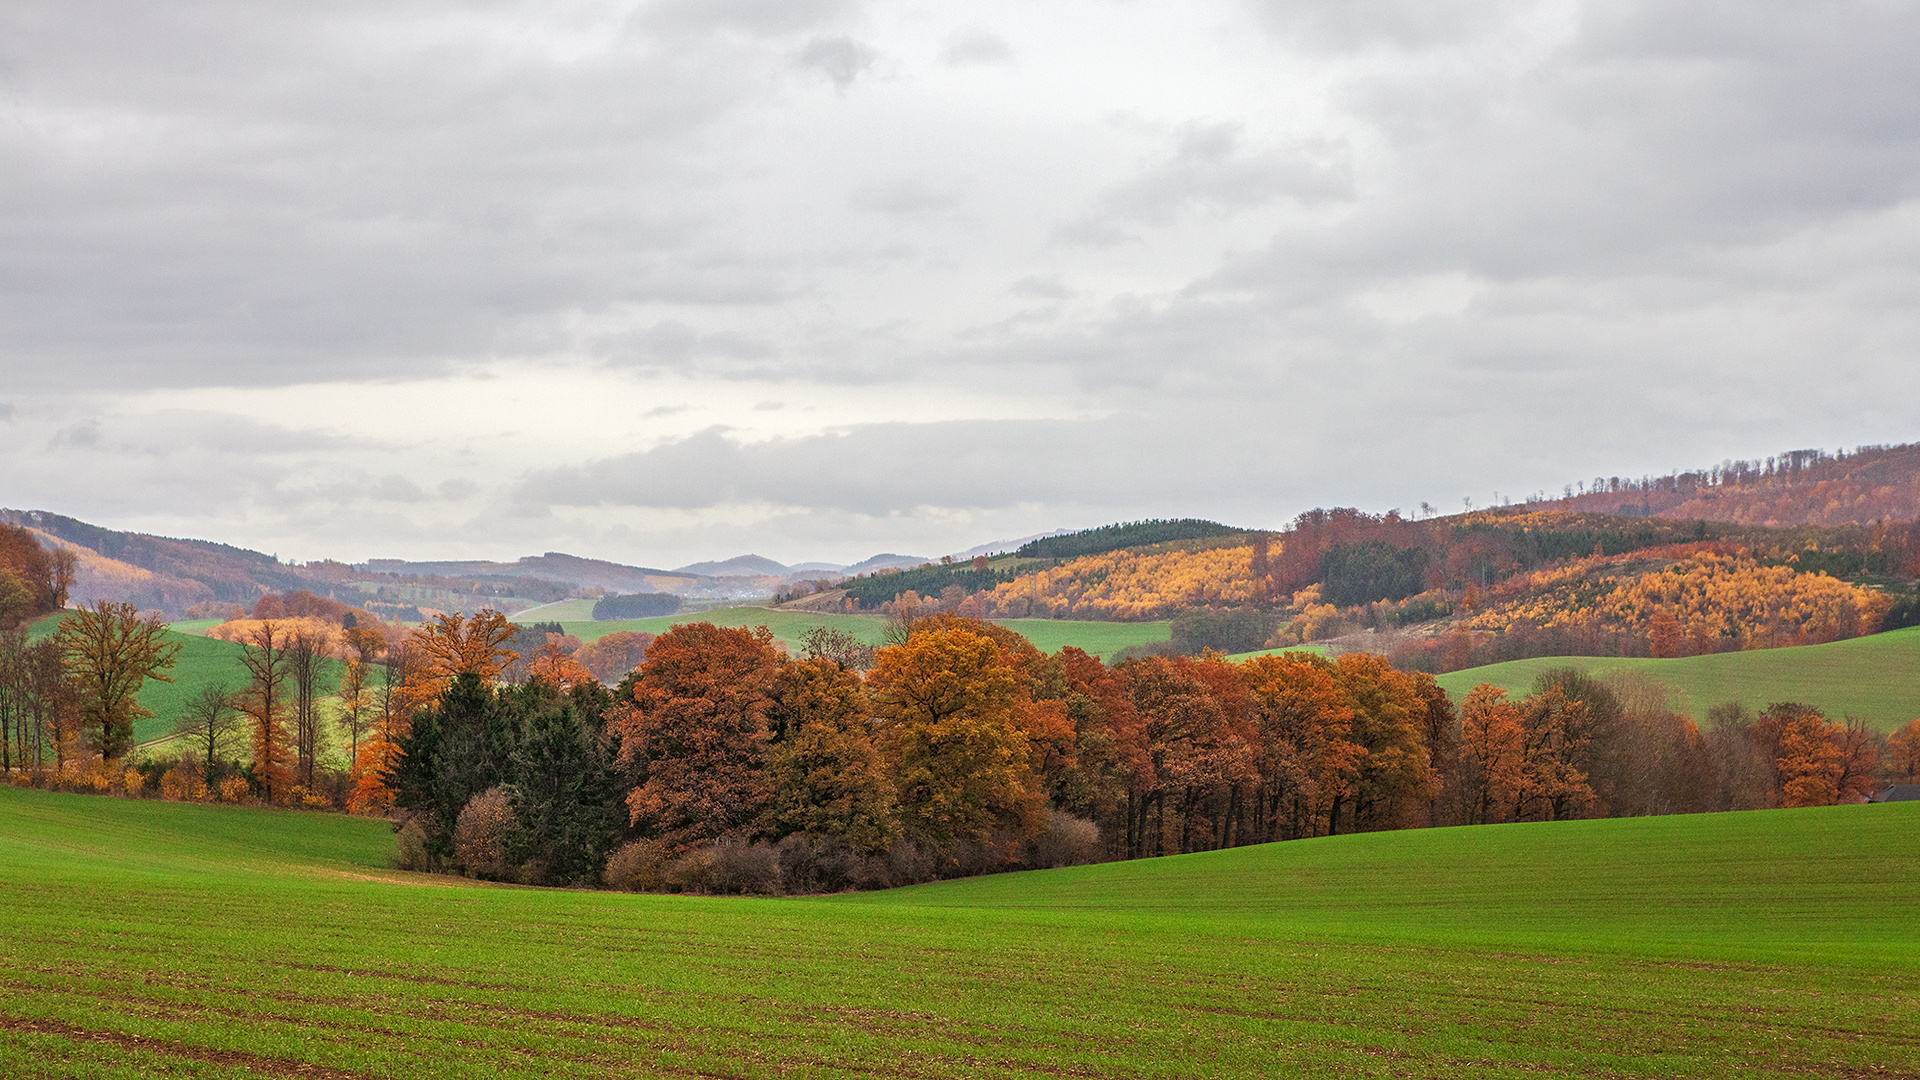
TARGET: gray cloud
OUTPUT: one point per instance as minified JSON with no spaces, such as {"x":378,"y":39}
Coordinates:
{"x":1473,"y":245}
{"x":839,"y":60}
{"x":1341,"y":25}
{"x":767,"y":18}
{"x":975,"y":46}
{"x":907,"y":196}
{"x":873,"y":469}
{"x":1209,"y":173}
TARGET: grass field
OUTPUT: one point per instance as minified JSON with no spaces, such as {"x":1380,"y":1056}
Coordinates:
{"x":1875,"y":678}
{"x":151,"y":939}
{"x":561,"y":611}
{"x":1245,"y":656}
{"x":790,"y":627}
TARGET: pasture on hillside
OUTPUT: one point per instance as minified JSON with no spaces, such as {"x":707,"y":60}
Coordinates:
{"x":1102,"y":639}
{"x":148,"y":938}
{"x":1874,"y":678}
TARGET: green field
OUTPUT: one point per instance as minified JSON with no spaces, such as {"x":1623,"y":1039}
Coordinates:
{"x":1321,"y":650}
{"x":153,"y":939}
{"x":790,"y":627}
{"x":1874,"y":678}
{"x":560,"y":611}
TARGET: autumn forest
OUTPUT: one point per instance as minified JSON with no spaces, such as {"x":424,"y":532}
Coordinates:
{"x":1295,"y":697}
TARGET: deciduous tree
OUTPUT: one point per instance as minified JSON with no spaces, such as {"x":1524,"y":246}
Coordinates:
{"x":693,"y":736}
{"x":946,"y":701}
{"x":824,"y":774}
{"x":265,"y":702}
{"x":109,"y":652}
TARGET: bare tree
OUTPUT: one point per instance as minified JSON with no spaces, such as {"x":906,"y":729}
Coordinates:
{"x":211,"y":721}
{"x":307,"y":652}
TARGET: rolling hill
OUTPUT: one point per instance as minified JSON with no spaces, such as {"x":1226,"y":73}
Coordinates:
{"x":1874,"y":678}
{"x":148,"y":938}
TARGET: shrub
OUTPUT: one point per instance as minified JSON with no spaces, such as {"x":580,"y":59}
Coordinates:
{"x":817,"y":863}
{"x":235,"y":789}
{"x":636,"y":867}
{"x":480,"y":834}
{"x":134,"y":782}
{"x":692,"y":872}
{"x":740,"y":867}
{"x":409,"y":848}
{"x":1066,"y":841}
{"x":173,"y":784}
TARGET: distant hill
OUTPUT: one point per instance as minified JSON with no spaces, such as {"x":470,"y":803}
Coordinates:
{"x":887,"y":561}
{"x":738,"y":566}
{"x":158,"y":572}
{"x":1128,"y":534}
{"x":553,"y":566}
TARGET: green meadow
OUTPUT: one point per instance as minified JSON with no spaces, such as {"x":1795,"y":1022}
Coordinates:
{"x":1874,"y":678}
{"x":1320,"y":650}
{"x":155,"y":939}
{"x":790,"y":628}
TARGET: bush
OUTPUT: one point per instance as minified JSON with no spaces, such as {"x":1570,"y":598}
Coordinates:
{"x":692,"y":872}
{"x":134,"y":781}
{"x":235,"y":788}
{"x":818,"y":863}
{"x":176,"y":783}
{"x":636,"y":867}
{"x":480,"y":834}
{"x":1066,"y":841}
{"x":409,"y":848}
{"x":743,"y":868}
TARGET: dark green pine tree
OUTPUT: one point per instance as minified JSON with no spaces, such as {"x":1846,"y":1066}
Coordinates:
{"x":455,"y":750}
{"x":564,"y":792}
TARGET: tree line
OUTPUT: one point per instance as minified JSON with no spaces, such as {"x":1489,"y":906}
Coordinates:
{"x":720,"y":763}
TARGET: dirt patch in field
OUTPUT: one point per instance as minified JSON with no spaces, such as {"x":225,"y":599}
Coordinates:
{"x":123,"y":1041}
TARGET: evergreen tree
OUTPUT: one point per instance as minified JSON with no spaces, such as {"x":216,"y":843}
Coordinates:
{"x":564,"y":791}
{"x":456,"y":749}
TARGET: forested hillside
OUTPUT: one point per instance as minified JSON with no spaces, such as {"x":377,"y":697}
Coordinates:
{"x":1799,"y":487}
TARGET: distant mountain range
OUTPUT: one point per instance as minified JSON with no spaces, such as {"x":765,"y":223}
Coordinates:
{"x":174,"y":575}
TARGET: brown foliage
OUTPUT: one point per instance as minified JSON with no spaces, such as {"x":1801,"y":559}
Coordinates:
{"x":33,"y":580}
{"x":694,"y":733}
{"x":610,"y":658}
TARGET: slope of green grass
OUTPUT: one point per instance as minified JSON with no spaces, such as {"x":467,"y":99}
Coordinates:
{"x":202,"y":661}
{"x":1102,"y":639}
{"x":1320,"y":650}
{"x":560,"y":611}
{"x":1875,"y":678}
{"x":790,"y":628}
{"x":151,"y":939}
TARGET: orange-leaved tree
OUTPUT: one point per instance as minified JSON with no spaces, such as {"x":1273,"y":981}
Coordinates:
{"x":1396,"y":778}
{"x":1493,"y":747}
{"x":694,"y":734}
{"x":948,"y":705}
{"x":419,"y":670}
{"x":613,"y":655}
{"x":1308,"y":757}
{"x":1903,"y":748}
{"x":554,"y":665}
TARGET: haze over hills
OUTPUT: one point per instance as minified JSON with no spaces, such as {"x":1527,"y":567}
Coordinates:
{"x":172,"y":575}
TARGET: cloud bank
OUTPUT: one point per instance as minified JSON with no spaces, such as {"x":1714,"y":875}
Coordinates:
{"x":655,"y":280}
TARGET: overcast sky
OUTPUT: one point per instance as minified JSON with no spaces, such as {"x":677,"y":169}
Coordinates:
{"x":680,"y":279}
